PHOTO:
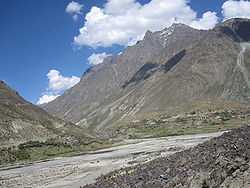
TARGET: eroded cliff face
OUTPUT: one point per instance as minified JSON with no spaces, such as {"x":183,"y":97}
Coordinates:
{"x":172,"y":67}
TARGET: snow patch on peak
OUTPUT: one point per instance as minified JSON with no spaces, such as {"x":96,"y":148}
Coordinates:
{"x":165,"y":34}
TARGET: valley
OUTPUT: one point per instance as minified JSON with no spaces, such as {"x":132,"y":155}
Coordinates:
{"x":171,"y":110}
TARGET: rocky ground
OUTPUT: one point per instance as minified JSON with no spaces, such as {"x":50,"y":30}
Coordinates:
{"x":222,"y":162}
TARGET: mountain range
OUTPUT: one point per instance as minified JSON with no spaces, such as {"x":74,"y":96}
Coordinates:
{"x":168,"y":70}
{"x":173,"y":71}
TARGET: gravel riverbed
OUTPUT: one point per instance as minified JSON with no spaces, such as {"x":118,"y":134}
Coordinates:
{"x":70,"y":172}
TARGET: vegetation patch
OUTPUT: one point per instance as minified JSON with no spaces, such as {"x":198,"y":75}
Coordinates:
{"x":184,"y":124}
{"x":35,"y":150}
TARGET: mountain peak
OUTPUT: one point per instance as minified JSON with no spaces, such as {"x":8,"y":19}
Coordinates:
{"x":9,"y":95}
{"x":179,"y":25}
{"x":148,"y":35}
{"x":235,"y":20}
{"x":176,"y":30}
{"x":3,"y":84}
{"x":237,"y":27}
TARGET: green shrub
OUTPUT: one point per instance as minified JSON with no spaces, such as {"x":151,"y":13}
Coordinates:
{"x":22,"y":154}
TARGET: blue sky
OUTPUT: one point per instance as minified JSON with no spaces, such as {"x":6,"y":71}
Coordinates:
{"x":38,"y":36}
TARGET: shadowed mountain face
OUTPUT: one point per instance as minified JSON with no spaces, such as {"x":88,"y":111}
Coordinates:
{"x":21,"y":121}
{"x":240,"y":28}
{"x":172,"y":67}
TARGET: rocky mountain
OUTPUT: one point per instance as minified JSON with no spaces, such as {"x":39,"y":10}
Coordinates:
{"x":169,"y":68}
{"x":219,"y":163}
{"x":21,"y":122}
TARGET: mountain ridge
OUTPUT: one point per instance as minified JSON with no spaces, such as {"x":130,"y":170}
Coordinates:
{"x":23,"y":122}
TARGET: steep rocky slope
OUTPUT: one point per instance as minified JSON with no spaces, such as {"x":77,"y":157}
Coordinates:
{"x":21,"y":121}
{"x":219,"y":163}
{"x":172,"y":67}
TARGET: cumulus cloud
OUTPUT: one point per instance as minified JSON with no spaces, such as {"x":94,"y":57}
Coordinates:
{"x":96,"y":59}
{"x":57,"y":85}
{"x":209,"y":20}
{"x":46,"y":99}
{"x":74,"y":9}
{"x":124,"y":22}
{"x":233,"y":9}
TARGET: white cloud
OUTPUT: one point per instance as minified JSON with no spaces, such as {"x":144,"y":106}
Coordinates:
{"x":96,"y":59}
{"x":209,"y":20}
{"x":46,"y":99}
{"x":74,"y":9}
{"x":125,"y":21}
{"x":57,"y":85}
{"x":233,"y":9}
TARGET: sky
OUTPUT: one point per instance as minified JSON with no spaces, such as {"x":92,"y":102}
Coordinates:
{"x":45,"y":46}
